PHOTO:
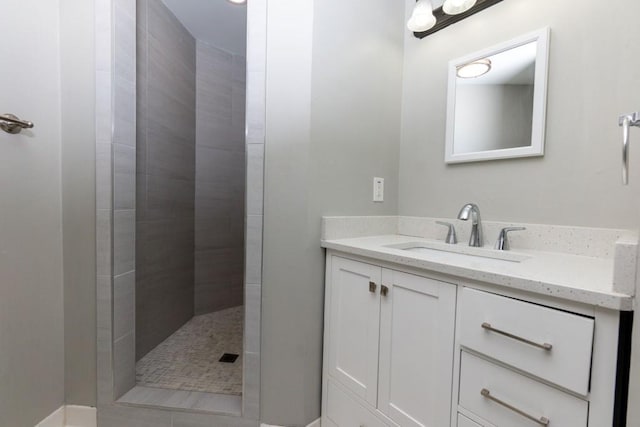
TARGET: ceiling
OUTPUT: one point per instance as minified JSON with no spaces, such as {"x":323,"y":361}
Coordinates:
{"x":216,"y":22}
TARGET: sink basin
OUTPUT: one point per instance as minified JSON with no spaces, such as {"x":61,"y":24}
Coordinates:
{"x":460,"y":249}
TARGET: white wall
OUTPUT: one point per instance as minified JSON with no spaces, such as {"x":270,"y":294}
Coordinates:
{"x":333,"y":107}
{"x":31,"y":286}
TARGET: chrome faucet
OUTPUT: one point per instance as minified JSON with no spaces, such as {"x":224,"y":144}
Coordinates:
{"x":476,"y":224}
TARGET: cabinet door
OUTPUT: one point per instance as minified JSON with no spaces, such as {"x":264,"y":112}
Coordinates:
{"x":466,"y":422}
{"x":354,"y":326}
{"x":416,"y":350}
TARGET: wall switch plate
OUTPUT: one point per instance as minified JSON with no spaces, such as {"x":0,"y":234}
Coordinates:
{"x":378,"y":189}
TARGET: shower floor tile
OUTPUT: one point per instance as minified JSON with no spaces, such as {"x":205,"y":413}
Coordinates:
{"x":188,"y":359}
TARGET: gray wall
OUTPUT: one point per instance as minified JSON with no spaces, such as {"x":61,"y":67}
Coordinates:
{"x":78,"y":199}
{"x":220,"y":179}
{"x":577,"y":182}
{"x":333,"y":120}
{"x":165,"y":175}
{"x":31,"y":256}
{"x":492,"y":117}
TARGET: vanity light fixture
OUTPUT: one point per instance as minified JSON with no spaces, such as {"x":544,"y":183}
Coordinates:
{"x":422,"y":17}
{"x":455,"y":7}
{"x":474,"y":69}
{"x":449,"y":13}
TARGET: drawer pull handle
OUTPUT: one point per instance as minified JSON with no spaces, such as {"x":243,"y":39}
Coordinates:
{"x":372,"y":287}
{"x":543,"y":421}
{"x":544,"y":346}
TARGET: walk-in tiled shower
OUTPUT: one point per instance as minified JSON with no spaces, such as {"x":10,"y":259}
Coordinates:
{"x":190,"y":201}
{"x":179,"y":175}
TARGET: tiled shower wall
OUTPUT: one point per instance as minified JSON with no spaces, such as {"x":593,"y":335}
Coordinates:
{"x":115,"y":222}
{"x":165,"y":175}
{"x":220,"y":179}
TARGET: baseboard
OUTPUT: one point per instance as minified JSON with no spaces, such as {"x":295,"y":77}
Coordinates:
{"x":80,"y":416}
{"x":56,"y":419}
{"x":315,"y":423}
{"x":71,"y":416}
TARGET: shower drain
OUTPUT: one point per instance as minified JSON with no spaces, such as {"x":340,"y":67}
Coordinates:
{"x":228,"y":358}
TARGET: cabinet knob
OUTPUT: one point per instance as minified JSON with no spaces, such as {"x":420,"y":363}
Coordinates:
{"x":384,"y":290}
{"x":372,"y":287}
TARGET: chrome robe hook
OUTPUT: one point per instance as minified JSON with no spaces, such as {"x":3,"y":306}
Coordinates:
{"x":626,"y":121}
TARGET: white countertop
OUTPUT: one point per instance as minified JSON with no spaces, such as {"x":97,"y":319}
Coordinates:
{"x":578,"y":278}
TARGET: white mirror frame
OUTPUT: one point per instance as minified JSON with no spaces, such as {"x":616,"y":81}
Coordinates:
{"x":541,"y":37}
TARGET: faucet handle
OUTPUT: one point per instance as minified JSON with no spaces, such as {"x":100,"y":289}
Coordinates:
{"x":502,"y":244}
{"x":451,"y":235}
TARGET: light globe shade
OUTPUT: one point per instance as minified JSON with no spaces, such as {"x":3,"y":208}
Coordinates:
{"x":455,"y":7}
{"x":422,"y":17}
{"x":474,"y":69}
{"x":237,"y":1}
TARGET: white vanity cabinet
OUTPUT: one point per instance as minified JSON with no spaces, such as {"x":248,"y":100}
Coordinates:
{"x":389,"y":344}
{"x":406,"y":346}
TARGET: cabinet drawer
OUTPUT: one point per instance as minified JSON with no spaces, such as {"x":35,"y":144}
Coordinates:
{"x":516,"y":333}
{"x":345,"y":411}
{"x":466,"y":422}
{"x":503,"y":397}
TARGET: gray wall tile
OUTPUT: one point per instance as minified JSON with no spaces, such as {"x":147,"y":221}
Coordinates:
{"x":255,"y":178}
{"x":120,"y":416}
{"x":124,"y":48}
{"x":104,"y":30}
{"x":124,"y":300}
{"x":256,"y":104}
{"x":166,"y":176}
{"x":103,"y":104}
{"x":169,"y":33}
{"x":123,"y":241}
{"x":104,"y":200}
{"x":168,"y":153}
{"x":124,"y":364}
{"x":169,"y":198}
{"x":124,"y":113}
{"x":124,"y":180}
{"x":254,"y":250}
{"x":220,"y":179}
{"x":104,"y":340}
{"x":103,"y":242}
{"x":183,"y":419}
{"x":251,"y":391}
{"x":103,"y":176}
{"x":257,"y":36}
{"x":253,"y":296}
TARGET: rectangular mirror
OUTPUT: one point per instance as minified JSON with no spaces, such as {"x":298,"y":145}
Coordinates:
{"x":497,"y":101}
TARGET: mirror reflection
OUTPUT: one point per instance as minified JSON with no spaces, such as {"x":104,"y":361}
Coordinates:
{"x":494,"y":110}
{"x":496,"y":103}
